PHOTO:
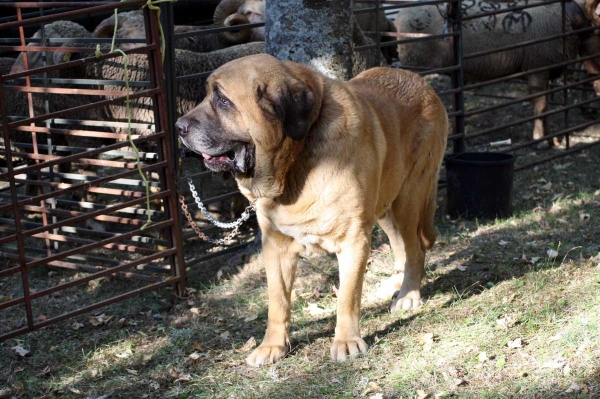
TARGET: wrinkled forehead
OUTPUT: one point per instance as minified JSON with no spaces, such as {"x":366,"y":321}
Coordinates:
{"x":243,"y":74}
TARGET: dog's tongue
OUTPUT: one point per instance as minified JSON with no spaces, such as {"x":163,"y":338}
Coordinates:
{"x":211,"y":157}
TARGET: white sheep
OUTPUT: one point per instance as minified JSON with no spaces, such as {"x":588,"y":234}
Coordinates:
{"x":496,"y":31}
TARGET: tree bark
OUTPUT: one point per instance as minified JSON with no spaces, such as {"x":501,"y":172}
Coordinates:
{"x":317,"y":33}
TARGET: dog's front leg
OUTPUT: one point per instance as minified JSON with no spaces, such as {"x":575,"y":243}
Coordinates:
{"x":352,"y":261}
{"x":280,"y":254}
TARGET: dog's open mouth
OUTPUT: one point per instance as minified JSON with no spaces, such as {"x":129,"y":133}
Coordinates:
{"x":239,"y":159}
{"x":229,"y":155}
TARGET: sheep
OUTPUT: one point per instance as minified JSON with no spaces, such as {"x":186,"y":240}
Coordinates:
{"x":131,"y":25}
{"x":368,"y":23}
{"x":16,"y":102}
{"x":189,"y":92}
{"x":6,"y":64}
{"x":241,"y":12}
{"x":227,"y":13}
{"x":502,"y":30}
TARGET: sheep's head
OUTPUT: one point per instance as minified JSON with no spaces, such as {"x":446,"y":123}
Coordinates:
{"x":240,"y":12}
{"x":130,"y":25}
{"x":55,"y":30}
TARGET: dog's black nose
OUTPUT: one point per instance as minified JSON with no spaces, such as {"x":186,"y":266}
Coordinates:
{"x":182,"y":128}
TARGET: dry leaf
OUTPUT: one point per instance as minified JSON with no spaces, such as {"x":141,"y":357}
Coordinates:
{"x":183,"y":378}
{"x":225,"y":335}
{"x":552,"y":253}
{"x":125,"y":354}
{"x":146,"y":358}
{"x":517,"y":343}
{"x":378,"y":395}
{"x":5,"y":392}
{"x":559,"y":363}
{"x":427,"y":342}
{"x":5,"y":298}
{"x":194,"y":356}
{"x":97,"y":321}
{"x":45,"y":371}
{"x":596,"y":259}
{"x":584,"y":216}
{"x":19,"y":350}
{"x":96,"y":374}
{"x":372,"y":388}
{"x":421,"y":394}
{"x":316,"y":294}
{"x":251,"y":318}
{"x":132,"y":372}
{"x":123,"y":322}
{"x":76,"y":326}
{"x":556,"y":337}
{"x":462,"y":268}
{"x":42,"y":317}
{"x":573,"y":388}
{"x":503,"y":243}
{"x":315,"y":310}
{"x":483,"y":357}
{"x":197,"y":347}
{"x":248,"y":346}
{"x":334,"y":291}
{"x":195,"y":311}
{"x":75,"y":391}
{"x":155,"y":385}
{"x":507,"y":321}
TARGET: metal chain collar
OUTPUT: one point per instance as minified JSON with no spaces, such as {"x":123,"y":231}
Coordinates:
{"x":234,"y":226}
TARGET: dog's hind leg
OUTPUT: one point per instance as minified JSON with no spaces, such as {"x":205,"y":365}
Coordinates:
{"x":407,"y":217}
{"x":389,"y":286}
{"x":409,"y":226}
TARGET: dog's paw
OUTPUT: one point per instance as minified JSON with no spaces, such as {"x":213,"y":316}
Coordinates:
{"x":345,"y":349}
{"x":266,"y":354}
{"x":410,"y":301}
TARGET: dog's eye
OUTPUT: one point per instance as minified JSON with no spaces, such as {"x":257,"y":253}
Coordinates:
{"x":223,"y":100}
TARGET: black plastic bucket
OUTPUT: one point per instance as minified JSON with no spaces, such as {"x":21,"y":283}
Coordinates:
{"x":480,"y":184}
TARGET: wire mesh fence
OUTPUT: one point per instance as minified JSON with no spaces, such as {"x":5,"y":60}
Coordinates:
{"x":72,"y":199}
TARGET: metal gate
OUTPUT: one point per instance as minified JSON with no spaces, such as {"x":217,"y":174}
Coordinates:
{"x":99,"y":220}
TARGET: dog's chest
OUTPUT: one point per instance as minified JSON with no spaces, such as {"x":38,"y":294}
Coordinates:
{"x":316,"y":235}
{"x":312,"y":243}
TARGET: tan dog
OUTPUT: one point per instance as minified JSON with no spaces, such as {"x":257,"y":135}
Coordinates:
{"x":326,"y":161}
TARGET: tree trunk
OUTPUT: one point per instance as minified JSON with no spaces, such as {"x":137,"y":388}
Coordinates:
{"x":317,"y":33}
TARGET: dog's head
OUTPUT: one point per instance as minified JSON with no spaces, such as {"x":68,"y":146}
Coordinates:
{"x":254,"y":119}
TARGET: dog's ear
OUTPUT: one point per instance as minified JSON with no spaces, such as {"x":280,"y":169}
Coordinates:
{"x":291,"y":102}
{"x":295,"y":106}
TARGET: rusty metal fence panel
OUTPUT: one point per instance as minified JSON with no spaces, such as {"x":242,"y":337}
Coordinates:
{"x":73,"y":195}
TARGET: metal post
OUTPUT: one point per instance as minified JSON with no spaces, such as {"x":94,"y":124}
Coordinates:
{"x":565,"y":96}
{"x":377,"y":32}
{"x":165,"y":117}
{"x":455,"y":25}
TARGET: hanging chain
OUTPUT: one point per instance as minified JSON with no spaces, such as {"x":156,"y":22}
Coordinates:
{"x":233,"y":226}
